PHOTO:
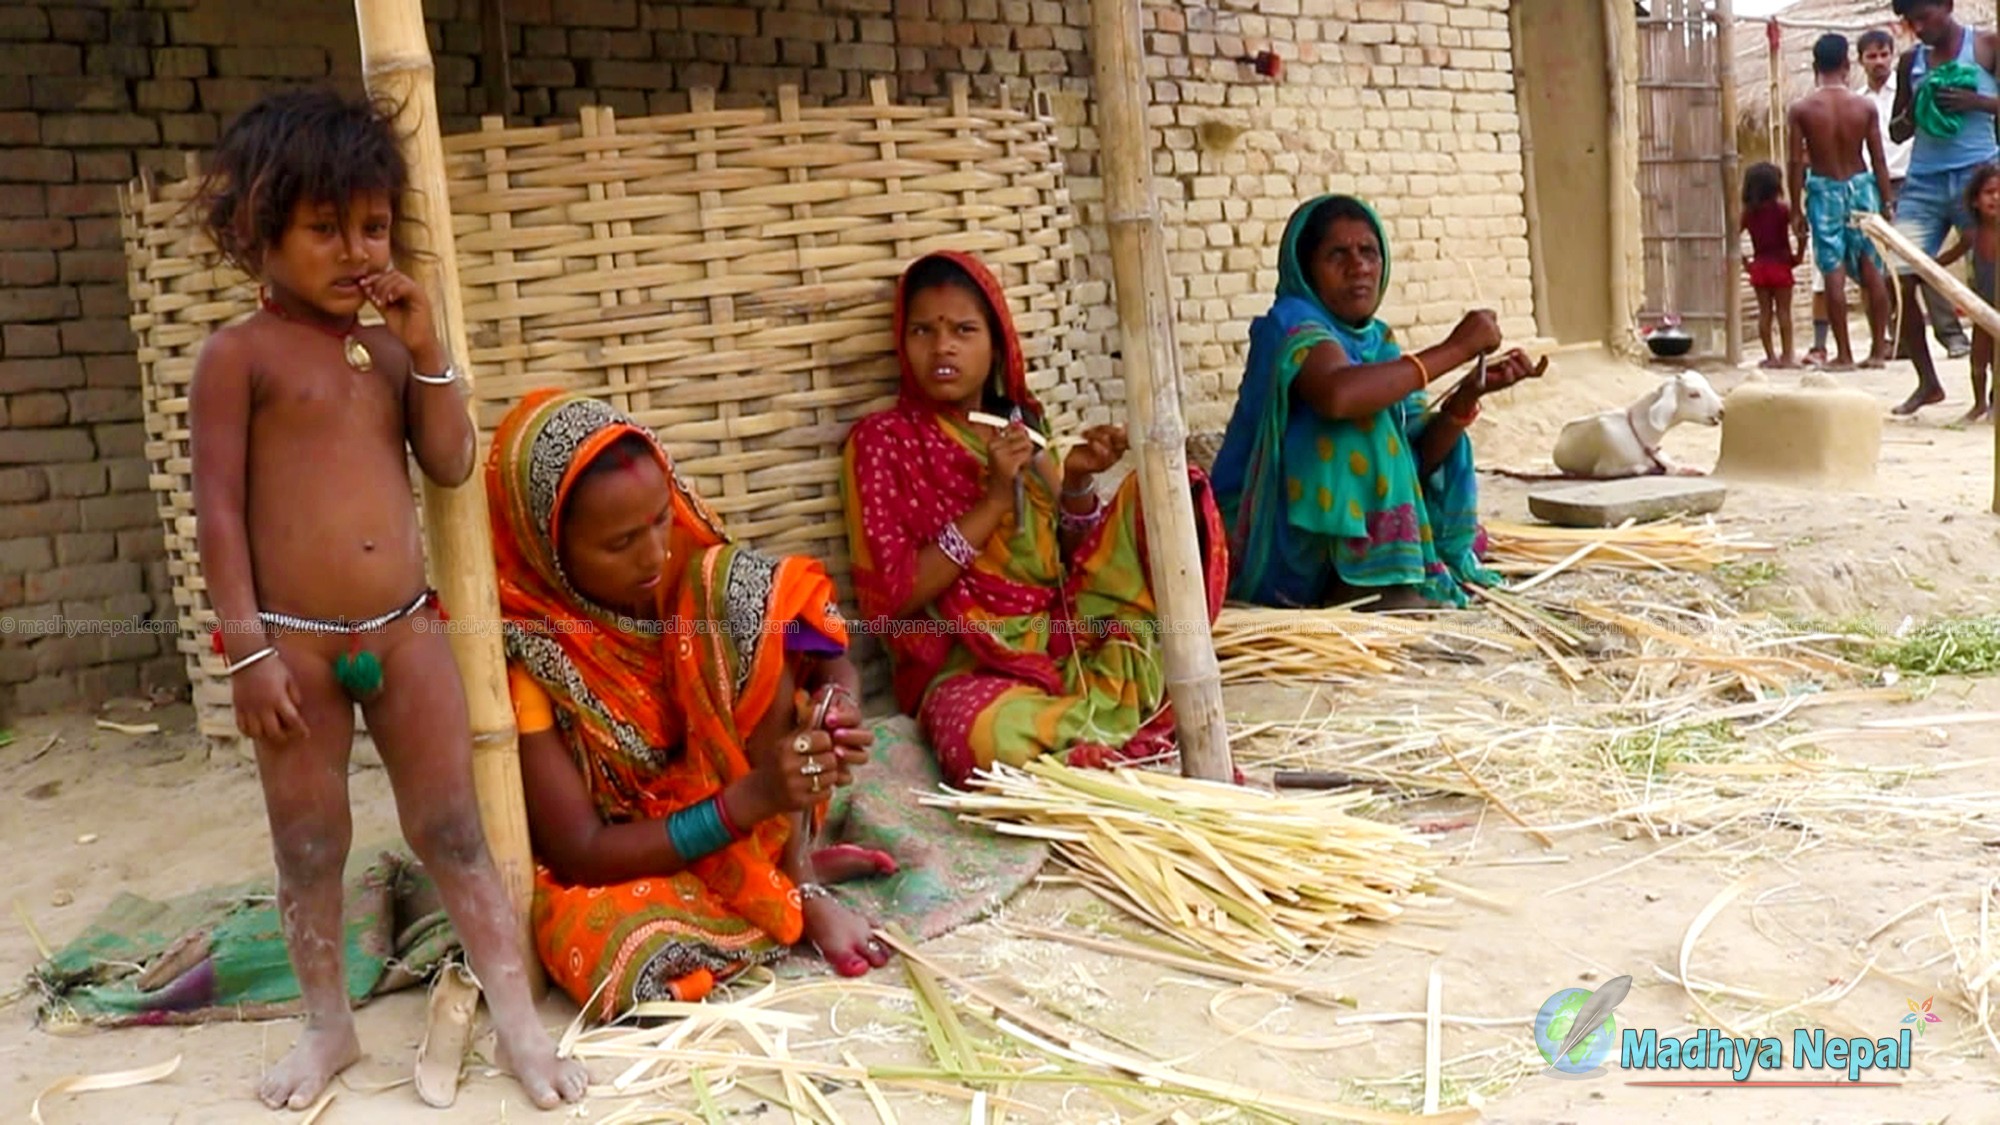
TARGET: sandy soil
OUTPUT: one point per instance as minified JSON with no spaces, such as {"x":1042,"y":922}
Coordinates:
{"x":167,"y":817}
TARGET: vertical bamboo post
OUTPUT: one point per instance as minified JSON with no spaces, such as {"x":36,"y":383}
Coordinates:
{"x":396,"y":64}
{"x":1732,"y":276}
{"x":1774,"y":38}
{"x":1152,"y":392}
{"x":1538,"y":270}
{"x":1621,"y":36}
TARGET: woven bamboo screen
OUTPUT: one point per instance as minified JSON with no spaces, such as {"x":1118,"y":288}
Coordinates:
{"x":724,"y":275}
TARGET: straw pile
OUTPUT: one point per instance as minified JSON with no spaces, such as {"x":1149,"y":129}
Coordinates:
{"x":1241,"y":874}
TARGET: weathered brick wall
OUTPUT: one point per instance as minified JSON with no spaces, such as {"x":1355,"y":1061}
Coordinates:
{"x":80,"y":538}
{"x":1407,"y":103}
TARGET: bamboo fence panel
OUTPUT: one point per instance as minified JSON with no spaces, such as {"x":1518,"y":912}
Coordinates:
{"x":725,"y":276}
{"x":1688,"y":248}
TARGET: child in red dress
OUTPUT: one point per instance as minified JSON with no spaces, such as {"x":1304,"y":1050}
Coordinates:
{"x":1773,"y":256}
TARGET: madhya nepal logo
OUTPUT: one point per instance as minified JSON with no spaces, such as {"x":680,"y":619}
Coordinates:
{"x":1576,"y":1030}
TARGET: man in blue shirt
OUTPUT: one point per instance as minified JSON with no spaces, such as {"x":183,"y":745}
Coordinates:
{"x":1946,"y":98}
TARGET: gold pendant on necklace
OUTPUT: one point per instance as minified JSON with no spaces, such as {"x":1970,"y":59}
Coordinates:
{"x":357,"y":354}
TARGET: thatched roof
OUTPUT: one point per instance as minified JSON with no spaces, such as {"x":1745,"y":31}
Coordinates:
{"x":1802,"y":23}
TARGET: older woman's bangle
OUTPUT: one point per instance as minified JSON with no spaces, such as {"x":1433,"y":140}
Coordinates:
{"x":1423,"y":373}
{"x":955,"y":546}
{"x":697,"y":830}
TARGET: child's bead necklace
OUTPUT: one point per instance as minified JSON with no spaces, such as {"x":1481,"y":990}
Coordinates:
{"x":351,"y":345}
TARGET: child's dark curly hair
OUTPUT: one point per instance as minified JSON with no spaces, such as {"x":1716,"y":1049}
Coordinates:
{"x":1980,"y":176}
{"x":311,"y":144}
{"x":1762,"y":182}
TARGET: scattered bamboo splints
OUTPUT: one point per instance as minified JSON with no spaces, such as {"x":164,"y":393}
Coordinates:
{"x":1256,"y":879}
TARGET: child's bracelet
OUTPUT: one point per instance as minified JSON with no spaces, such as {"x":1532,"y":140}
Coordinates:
{"x":697,"y":830}
{"x":449,"y":377}
{"x":268,"y":650}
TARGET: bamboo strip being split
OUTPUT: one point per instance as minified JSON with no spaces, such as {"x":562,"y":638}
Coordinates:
{"x":396,"y":65}
{"x":1152,"y":393}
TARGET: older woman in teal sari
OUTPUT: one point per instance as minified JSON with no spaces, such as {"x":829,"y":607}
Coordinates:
{"x":1336,"y":481}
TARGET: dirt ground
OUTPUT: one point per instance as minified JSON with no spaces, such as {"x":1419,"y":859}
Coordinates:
{"x":162,"y":816}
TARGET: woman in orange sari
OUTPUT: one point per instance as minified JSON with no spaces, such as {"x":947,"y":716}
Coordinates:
{"x":1022,"y":608}
{"x":659,"y":675}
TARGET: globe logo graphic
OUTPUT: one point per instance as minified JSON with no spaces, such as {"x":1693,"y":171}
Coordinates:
{"x":1552,"y":1024}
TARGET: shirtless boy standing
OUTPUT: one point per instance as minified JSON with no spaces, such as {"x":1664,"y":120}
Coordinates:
{"x":308,"y":538}
{"x":1836,"y":141}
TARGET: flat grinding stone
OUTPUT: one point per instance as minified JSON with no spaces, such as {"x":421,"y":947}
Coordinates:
{"x":1608,"y":503}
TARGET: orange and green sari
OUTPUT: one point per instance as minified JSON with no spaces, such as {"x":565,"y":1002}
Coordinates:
{"x":654,"y":713}
{"x":1034,"y":648}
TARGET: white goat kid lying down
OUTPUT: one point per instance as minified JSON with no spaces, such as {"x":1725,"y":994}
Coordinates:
{"x":1626,"y":443}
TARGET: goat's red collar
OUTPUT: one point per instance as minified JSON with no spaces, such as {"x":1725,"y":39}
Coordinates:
{"x":1652,"y":452}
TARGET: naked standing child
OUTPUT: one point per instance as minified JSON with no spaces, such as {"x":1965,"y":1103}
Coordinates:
{"x":309,"y":542}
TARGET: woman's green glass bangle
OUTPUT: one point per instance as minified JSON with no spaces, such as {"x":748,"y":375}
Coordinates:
{"x":697,"y":830}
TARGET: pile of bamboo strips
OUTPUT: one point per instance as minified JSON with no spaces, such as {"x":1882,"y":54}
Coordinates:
{"x":1255,"y":645}
{"x":1666,"y":546}
{"x":1242,"y":874}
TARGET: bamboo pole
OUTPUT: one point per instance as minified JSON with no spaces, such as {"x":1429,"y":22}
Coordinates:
{"x":396,"y":64}
{"x":1152,"y":393}
{"x":1538,"y":270}
{"x":1941,"y":279}
{"x":1774,"y":110}
{"x":1732,"y":276}
{"x":1621,"y":36}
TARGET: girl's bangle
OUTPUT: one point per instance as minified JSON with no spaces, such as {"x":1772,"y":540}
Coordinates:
{"x":1082,"y":521}
{"x":955,"y":546}
{"x":268,"y":650}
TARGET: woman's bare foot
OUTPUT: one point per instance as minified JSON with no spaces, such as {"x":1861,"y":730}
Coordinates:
{"x":843,"y":862}
{"x":1838,"y":363}
{"x":843,"y":938}
{"x":1982,"y":412}
{"x":1919,"y":398}
{"x":321,"y":1053}
{"x":1877,"y":358}
{"x":526,"y":1052}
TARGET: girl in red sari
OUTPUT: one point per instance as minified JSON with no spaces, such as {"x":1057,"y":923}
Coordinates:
{"x":671,"y":771}
{"x":1015,"y":600}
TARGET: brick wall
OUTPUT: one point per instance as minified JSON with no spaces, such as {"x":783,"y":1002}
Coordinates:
{"x":1408,"y":103}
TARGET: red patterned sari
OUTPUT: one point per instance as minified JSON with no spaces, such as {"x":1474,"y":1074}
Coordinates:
{"x":1032,"y":649}
{"x":654,"y":714}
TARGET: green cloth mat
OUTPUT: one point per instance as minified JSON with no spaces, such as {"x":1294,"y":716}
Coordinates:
{"x":218,"y":953}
